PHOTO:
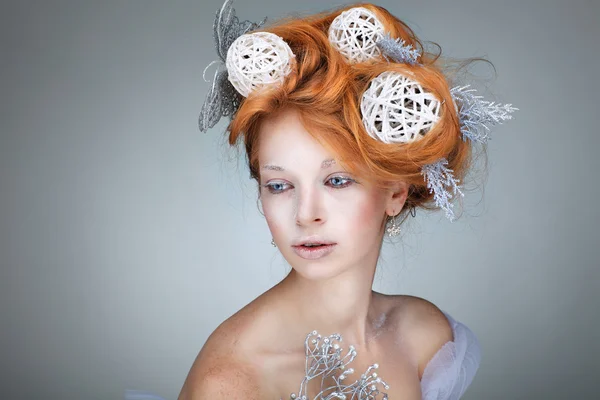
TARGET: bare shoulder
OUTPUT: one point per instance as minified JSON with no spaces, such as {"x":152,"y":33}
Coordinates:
{"x":425,"y":326}
{"x":230,"y":364}
{"x":223,"y":381}
{"x":224,"y":367}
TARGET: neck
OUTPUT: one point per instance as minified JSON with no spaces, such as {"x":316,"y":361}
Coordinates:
{"x":344,"y":304}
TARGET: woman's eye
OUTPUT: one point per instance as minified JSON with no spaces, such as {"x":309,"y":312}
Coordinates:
{"x":340,"y":181}
{"x":337,"y":182}
{"x":276,"y":187}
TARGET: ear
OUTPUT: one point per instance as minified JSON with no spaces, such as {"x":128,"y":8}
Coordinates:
{"x":396,"y":197}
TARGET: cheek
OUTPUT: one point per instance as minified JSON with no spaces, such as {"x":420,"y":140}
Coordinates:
{"x":365,"y":214}
{"x":273,"y":224}
{"x":370,"y":215}
{"x":358,"y":226}
{"x":274,"y":215}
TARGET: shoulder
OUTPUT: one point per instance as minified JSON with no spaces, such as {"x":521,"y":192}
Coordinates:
{"x":426,"y":328}
{"x":226,"y":381}
{"x":229,"y":379}
{"x":224,"y":368}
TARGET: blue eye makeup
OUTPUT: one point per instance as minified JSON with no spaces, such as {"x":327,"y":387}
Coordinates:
{"x":337,"y":182}
{"x":345,"y":181}
{"x":275,"y":187}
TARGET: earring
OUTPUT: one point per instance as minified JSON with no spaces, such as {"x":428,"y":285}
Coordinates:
{"x":273,"y":242}
{"x":393,"y":230}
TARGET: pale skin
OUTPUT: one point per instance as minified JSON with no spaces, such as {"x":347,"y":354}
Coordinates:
{"x":258,"y":353}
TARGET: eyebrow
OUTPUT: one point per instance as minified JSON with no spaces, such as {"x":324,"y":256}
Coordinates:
{"x":325,"y":164}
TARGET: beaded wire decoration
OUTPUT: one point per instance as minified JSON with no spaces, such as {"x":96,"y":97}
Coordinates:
{"x":394,"y":108}
{"x":324,"y":359}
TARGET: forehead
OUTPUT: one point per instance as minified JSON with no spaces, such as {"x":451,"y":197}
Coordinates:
{"x":284,"y":141}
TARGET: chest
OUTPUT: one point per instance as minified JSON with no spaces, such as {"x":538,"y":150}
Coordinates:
{"x":285,"y":374}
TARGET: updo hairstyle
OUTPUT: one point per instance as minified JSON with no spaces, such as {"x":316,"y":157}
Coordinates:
{"x":326,"y":90}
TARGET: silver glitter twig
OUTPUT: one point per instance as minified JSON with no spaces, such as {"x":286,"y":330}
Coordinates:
{"x":398,"y":50}
{"x":476,"y":115}
{"x":438,"y":176}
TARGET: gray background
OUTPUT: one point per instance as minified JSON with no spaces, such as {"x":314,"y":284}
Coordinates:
{"x":127,"y":236}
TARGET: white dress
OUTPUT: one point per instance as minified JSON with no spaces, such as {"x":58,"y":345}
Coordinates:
{"x":452,"y":369}
{"x":446,"y":377}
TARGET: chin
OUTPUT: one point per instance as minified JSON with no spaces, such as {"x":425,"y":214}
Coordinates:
{"x":316,"y":270}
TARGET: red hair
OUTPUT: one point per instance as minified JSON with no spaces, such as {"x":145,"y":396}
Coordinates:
{"x":326,"y":91}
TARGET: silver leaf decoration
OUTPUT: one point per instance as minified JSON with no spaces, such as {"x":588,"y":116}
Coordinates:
{"x":438,"y":177}
{"x":398,"y":50}
{"x":476,"y":116}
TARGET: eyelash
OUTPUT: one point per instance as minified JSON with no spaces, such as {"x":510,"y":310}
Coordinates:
{"x":348,"y":181}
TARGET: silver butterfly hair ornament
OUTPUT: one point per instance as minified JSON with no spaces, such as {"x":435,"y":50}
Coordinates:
{"x":395,"y":108}
{"x":223,"y":99}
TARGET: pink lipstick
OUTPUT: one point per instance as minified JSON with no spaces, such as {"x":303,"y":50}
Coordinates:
{"x":314,"y":252}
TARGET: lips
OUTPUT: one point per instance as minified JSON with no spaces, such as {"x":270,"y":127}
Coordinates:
{"x":314,"y":252}
{"x":314,"y":240}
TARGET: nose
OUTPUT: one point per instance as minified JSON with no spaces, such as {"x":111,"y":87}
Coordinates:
{"x":309,"y":207}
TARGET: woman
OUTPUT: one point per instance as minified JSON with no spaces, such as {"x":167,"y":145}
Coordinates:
{"x":307,"y":197}
{"x":349,"y":126}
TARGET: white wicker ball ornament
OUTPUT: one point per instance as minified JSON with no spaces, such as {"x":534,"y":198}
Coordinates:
{"x":258,"y":59}
{"x":355,"y":32}
{"x":396,"y":109}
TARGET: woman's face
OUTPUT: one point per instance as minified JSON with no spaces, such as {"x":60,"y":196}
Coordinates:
{"x":306,"y":196}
